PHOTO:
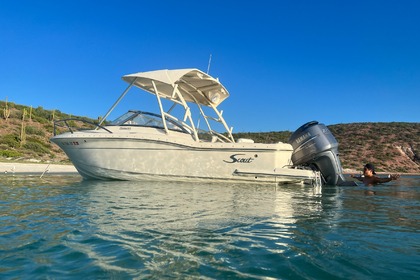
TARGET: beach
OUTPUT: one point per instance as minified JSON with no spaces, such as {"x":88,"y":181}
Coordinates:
{"x":35,"y":168}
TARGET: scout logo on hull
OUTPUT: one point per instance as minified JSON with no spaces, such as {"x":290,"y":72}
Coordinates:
{"x":237,"y":158}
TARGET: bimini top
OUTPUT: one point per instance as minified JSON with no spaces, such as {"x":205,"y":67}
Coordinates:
{"x":193,"y":84}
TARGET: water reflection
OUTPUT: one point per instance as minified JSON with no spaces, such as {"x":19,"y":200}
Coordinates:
{"x":387,"y":205}
{"x":171,"y":229}
{"x":174,"y":205}
{"x":164,"y":225}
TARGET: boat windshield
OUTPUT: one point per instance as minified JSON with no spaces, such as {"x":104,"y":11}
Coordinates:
{"x":139,"y":118}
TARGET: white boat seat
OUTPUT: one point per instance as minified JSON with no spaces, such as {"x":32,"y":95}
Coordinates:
{"x":244,"y":140}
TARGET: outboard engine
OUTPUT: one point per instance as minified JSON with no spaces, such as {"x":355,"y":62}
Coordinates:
{"x":316,"y":147}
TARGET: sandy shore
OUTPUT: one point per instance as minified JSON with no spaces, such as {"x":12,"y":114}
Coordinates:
{"x":35,"y":168}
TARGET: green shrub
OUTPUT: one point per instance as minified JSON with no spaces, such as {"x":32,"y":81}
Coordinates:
{"x":49,"y":127}
{"x":40,"y":112}
{"x":11,"y":140}
{"x":399,"y":169}
{"x":31,"y":130}
{"x":36,"y":147}
{"x":10,"y":153}
{"x":39,"y":119}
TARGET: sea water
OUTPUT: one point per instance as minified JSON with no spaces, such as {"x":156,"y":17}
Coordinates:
{"x":62,"y":227}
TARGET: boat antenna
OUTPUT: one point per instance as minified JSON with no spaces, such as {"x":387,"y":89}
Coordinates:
{"x":208,"y":66}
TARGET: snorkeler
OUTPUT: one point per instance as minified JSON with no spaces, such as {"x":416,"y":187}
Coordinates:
{"x":369,"y":179}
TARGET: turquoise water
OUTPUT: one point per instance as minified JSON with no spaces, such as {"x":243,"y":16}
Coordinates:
{"x":61,"y":227}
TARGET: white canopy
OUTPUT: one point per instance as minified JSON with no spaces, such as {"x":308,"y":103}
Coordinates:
{"x":193,"y":84}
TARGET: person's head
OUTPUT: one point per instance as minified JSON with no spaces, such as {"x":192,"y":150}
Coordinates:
{"x":369,"y":169}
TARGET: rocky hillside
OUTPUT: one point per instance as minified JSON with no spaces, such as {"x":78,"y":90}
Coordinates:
{"x":391,"y":147}
{"x":25,"y":133}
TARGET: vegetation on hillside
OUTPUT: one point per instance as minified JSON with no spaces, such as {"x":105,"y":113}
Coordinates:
{"x":25,"y":134}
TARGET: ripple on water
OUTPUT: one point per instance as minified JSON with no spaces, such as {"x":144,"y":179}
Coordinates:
{"x":67,"y":227}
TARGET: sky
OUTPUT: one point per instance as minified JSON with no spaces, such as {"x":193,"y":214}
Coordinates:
{"x":284,"y":62}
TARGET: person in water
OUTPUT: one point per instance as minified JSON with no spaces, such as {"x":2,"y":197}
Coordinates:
{"x":369,"y":178}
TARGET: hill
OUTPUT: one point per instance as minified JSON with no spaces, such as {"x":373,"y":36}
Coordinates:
{"x":391,"y":147}
{"x":25,"y":133}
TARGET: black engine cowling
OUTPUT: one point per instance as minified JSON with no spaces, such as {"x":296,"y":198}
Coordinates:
{"x":315,"y":146}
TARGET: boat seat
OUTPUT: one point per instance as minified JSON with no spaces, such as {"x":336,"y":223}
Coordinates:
{"x":244,"y":140}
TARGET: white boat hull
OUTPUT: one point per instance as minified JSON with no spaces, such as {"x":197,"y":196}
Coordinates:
{"x":155,"y":156}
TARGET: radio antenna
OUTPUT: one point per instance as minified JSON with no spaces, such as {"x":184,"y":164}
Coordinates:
{"x":208,"y":66}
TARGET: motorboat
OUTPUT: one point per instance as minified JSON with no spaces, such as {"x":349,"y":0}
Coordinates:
{"x":187,"y":138}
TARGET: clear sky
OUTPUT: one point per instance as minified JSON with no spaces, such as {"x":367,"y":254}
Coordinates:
{"x":284,"y":62}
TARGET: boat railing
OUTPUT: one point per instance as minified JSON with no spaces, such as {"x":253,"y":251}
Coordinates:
{"x":70,"y":125}
{"x":183,"y":125}
{"x":219,"y":136}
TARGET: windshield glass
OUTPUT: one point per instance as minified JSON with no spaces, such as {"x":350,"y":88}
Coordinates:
{"x":138,"y":118}
{"x":120,"y":120}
